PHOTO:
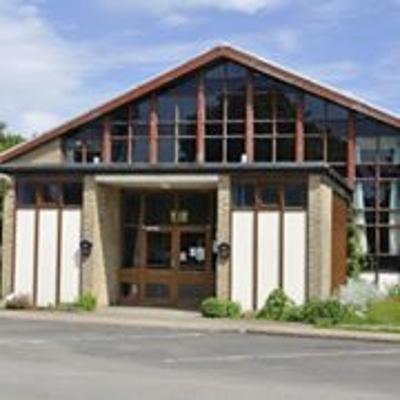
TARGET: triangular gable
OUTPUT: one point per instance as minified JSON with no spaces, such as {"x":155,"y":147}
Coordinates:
{"x":216,"y":53}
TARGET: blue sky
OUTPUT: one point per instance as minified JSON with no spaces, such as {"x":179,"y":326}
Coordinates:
{"x":62,"y":57}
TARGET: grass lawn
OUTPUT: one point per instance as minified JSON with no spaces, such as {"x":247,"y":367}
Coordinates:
{"x":382,"y":316}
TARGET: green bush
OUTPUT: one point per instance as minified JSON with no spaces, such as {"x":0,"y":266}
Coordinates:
{"x":87,"y":302}
{"x":329,"y":311}
{"x":213,"y":307}
{"x":277,"y":306}
{"x":394,"y":292}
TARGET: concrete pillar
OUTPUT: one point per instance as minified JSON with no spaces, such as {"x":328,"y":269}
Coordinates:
{"x":101,"y":225}
{"x":319,"y":237}
{"x":223,"y":235}
{"x":7,"y":251}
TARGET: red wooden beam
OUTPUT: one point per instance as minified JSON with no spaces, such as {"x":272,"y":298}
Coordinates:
{"x":153,"y":130}
{"x":300,"y":129}
{"x":249,"y":118}
{"x":201,"y":120}
{"x":107,"y":139}
{"x":351,"y":150}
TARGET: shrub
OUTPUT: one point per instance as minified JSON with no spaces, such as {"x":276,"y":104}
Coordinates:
{"x":394,"y":292}
{"x":359,"y":294}
{"x":233,"y":310}
{"x":213,"y":307}
{"x":87,"y":302}
{"x":329,"y":311}
{"x":18,"y":301}
{"x":277,"y":305}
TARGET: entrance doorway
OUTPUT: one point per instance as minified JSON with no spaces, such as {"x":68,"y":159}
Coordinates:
{"x":168,"y":255}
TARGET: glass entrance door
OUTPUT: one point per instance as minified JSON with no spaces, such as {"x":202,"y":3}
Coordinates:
{"x":173,"y":248}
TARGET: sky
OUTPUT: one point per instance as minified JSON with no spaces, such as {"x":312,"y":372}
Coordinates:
{"x":60,"y":58}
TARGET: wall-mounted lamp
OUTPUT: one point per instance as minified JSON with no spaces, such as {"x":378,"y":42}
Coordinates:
{"x":86,"y":248}
{"x":224,"y":251}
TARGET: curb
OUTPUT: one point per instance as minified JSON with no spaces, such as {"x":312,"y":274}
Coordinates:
{"x":211,"y":326}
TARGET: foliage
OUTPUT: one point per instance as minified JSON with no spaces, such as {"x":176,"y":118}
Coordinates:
{"x":394,"y":292}
{"x":213,"y":307}
{"x":356,"y":257}
{"x":359,"y":294}
{"x":329,"y":312}
{"x":277,"y":305}
{"x":87,"y":302}
{"x":18,"y":301}
{"x":8,"y":139}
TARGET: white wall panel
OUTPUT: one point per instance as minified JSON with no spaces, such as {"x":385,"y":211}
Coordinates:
{"x":242,"y":258}
{"x":47,"y":257}
{"x":385,"y":279}
{"x":70,"y":238}
{"x":294,"y":281}
{"x":268,"y":255}
{"x":24,"y":251}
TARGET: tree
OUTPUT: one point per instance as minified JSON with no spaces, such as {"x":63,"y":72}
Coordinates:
{"x":7,"y":140}
{"x":356,"y":257}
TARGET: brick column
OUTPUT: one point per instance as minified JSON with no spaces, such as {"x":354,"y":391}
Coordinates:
{"x":223,"y":235}
{"x":319,"y":237}
{"x":8,"y":238}
{"x":101,"y":225}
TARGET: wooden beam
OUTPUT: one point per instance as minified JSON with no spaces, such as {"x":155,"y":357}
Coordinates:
{"x":249,"y":118}
{"x":300,"y":129}
{"x":107,"y":145}
{"x":201,"y":120}
{"x":153,"y":130}
{"x":351,"y":149}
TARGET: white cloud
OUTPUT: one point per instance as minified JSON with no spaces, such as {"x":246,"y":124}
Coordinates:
{"x":176,"y":7}
{"x":38,"y":69}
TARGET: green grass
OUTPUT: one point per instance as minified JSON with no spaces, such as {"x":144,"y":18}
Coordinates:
{"x":382,"y":316}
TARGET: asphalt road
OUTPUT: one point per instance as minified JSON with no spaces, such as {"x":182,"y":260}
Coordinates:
{"x":43,"y":360}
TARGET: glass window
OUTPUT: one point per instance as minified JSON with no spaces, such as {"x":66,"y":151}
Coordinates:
{"x":119,"y":150}
{"x":214,"y":79}
{"x":213,"y":150}
{"x":214,"y":106}
{"x":50,"y":193}
{"x":159,"y":250}
{"x":235,"y":77}
{"x":166,"y":106}
{"x":285,"y":149}
{"x":141,"y":111}
{"x":26,"y":193}
{"x":140,"y":149}
{"x":243,"y":194}
{"x":314,"y":149}
{"x":263,"y":106}
{"x":286,"y":104}
{"x":314,"y":108}
{"x":192,"y":252}
{"x":158,"y":209}
{"x":295,"y":195}
{"x":131,"y":208}
{"x":72,"y":193}
{"x":263,"y":150}
{"x":269,"y":195}
{"x":130,"y":256}
{"x":166,"y":150}
{"x":236,"y":148}
{"x":157,"y":291}
{"x":197,"y":206}
{"x":187,"y":150}
{"x":236,"y":106}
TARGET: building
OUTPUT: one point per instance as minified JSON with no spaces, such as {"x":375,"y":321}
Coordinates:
{"x":227,"y":175}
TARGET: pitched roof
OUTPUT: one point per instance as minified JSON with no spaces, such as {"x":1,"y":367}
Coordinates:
{"x":227,"y":52}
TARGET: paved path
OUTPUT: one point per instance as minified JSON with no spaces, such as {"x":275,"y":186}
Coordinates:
{"x":175,"y":319}
{"x":42,"y":360}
